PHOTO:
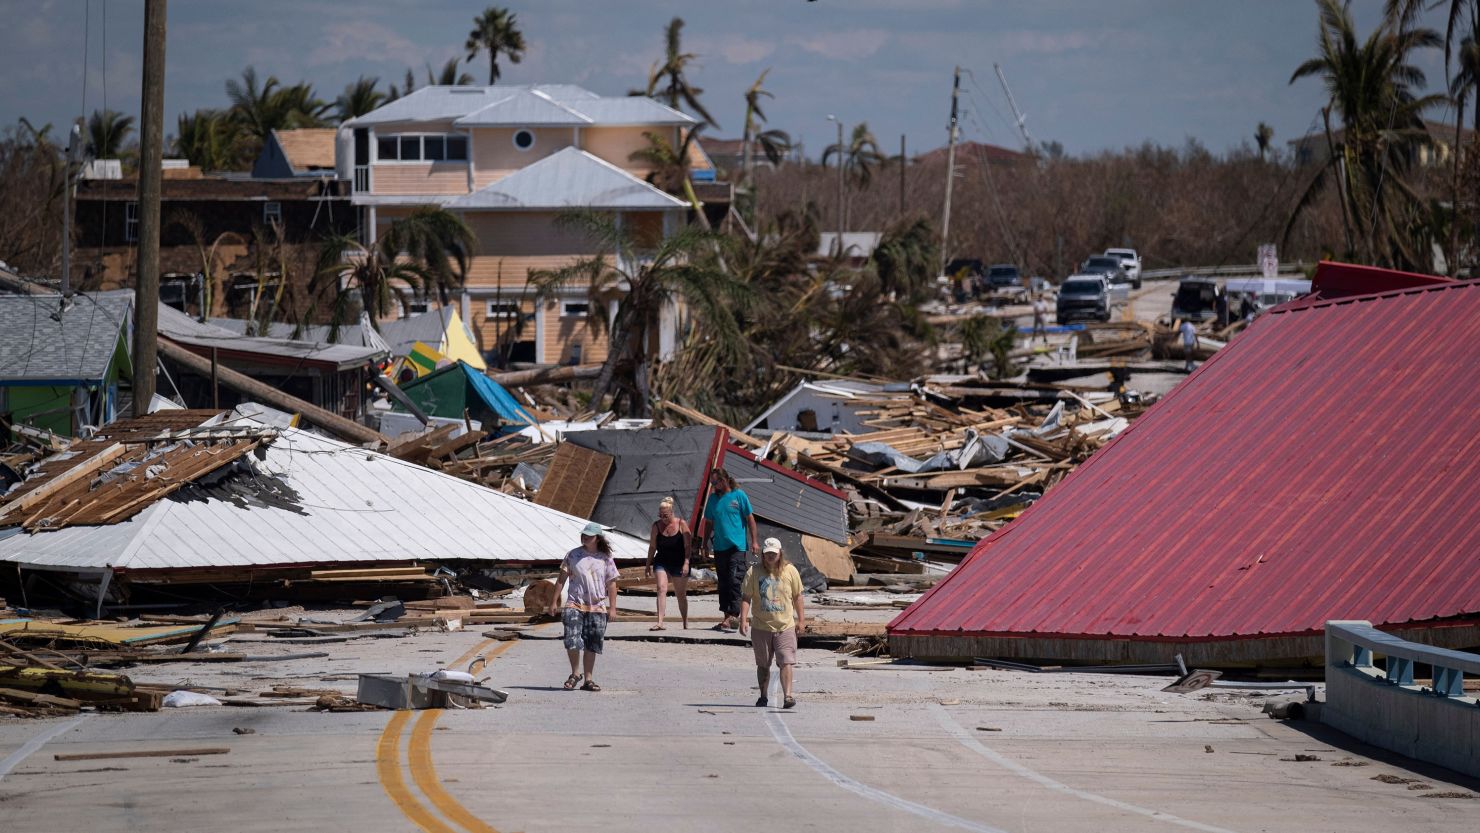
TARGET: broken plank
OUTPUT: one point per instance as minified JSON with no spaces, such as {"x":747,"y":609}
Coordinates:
{"x":141,"y":753}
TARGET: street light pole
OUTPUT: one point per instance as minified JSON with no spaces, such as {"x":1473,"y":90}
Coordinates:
{"x":839,"y":121}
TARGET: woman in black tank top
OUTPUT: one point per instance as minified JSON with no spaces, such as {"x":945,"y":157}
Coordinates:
{"x":668,"y":559}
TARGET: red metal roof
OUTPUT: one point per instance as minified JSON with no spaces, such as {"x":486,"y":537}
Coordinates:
{"x":1322,"y":466}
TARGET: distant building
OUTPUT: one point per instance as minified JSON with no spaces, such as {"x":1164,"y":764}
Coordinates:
{"x":975,"y":153}
{"x":510,"y":160}
{"x":61,"y":362}
{"x":295,"y":153}
{"x":1314,"y":148}
{"x":857,"y":246}
{"x":198,"y":212}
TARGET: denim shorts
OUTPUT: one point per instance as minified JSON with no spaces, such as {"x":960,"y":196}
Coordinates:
{"x":583,"y":630}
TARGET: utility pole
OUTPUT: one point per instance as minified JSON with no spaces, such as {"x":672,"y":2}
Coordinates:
{"x":902,"y":163}
{"x":74,"y":148}
{"x":1022,"y":123}
{"x":945,"y":222}
{"x":151,"y":155}
{"x":841,"y":151}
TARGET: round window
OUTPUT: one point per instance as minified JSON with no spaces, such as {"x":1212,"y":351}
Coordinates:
{"x":523,"y":139}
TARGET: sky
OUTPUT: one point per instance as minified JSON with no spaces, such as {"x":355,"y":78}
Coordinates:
{"x":1091,"y":74}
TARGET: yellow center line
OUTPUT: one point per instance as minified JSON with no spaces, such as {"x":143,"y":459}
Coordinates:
{"x":388,"y":766}
{"x":424,"y":773}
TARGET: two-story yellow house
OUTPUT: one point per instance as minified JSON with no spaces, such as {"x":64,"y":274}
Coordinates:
{"x":510,"y":160}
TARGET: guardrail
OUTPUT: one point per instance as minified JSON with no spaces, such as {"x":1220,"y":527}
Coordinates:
{"x":1384,"y":707}
{"x":1296,"y":269}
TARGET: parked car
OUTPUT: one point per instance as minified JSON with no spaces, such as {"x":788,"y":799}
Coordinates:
{"x":1084,"y":296}
{"x":1003,"y":276}
{"x":1195,"y":299}
{"x":1130,"y":262}
{"x":1105,"y":265}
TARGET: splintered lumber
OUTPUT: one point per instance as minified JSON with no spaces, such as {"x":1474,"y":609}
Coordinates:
{"x":574,"y":480}
{"x":36,"y":699}
{"x":76,"y":474}
{"x":344,"y":428}
{"x":141,"y":753}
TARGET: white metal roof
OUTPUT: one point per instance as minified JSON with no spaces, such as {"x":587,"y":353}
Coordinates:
{"x":179,"y":327}
{"x":314,"y":500}
{"x":569,"y":178}
{"x":506,"y":104}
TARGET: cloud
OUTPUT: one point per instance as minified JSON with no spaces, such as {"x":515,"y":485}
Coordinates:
{"x":734,"y":49}
{"x":353,"y":40}
{"x":1052,"y":43}
{"x":854,"y":44}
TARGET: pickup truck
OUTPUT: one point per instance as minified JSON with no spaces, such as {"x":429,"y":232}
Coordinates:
{"x":1084,"y":296}
{"x":1130,"y":262}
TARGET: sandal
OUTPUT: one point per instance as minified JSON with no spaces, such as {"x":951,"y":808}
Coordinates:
{"x":657,"y":628}
{"x":571,"y":681}
{"x":590,"y":685}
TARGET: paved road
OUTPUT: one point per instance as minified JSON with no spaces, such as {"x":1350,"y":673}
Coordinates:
{"x":674,"y":744}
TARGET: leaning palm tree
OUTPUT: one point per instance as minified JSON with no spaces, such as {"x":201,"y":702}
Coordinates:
{"x":1372,"y":87}
{"x":676,"y":89}
{"x":1263,"y":135}
{"x":359,"y":97}
{"x":670,"y":167}
{"x":448,"y":75}
{"x":774,"y":144}
{"x":495,"y":31}
{"x":427,"y":251}
{"x":645,"y":280}
{"x":107,"y":130}
{"x":860,"y":155}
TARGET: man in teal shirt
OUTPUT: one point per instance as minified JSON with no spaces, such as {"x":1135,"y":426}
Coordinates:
{"x":728,"y":531}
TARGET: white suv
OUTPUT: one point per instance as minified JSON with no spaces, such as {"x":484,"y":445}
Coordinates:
{"x":1130,"y":262}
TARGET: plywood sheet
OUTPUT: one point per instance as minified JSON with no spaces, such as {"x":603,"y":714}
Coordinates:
{"x":574,"y":480}
{"x":832,"y":560}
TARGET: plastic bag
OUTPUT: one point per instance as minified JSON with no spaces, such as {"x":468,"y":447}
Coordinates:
{"x":181,"y":699}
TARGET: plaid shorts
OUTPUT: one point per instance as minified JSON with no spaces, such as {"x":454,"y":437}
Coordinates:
{"x":583,"y":630}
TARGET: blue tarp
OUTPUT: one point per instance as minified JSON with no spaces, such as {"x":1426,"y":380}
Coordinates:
{"x":498,"y":400}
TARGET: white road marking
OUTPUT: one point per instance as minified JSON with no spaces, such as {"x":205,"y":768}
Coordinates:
{"x":14,"y":759}
{"x":970,"y":742}
{"x":784,"y":737}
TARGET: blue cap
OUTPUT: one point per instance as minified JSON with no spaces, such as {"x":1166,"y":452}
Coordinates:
{"x":592,"y":529}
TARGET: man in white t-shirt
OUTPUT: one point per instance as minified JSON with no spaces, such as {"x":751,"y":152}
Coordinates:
{"x":1189,"y":344}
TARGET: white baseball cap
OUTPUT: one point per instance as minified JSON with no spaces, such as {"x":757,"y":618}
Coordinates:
{"x":771,"y":545}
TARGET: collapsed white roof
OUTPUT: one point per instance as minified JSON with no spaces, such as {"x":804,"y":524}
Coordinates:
{"x":314,"y":500}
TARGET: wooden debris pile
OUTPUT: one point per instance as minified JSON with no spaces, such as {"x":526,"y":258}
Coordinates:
{"x":125,"y":468}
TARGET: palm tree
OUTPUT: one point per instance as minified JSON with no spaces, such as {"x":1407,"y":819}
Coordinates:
{"x":680,"y":267}
{"x":107,"y":130}
{"x":448,"y":76}
{"x":408,"y":86}
{"x":677,"y":89}
{"x":495,"y":31}
{"x":204,"y":138}
{"x":860,"y":155}
{"x":359,"y":97}
{"x":775,"y":144}
{"x":426,"y":251}
{"x":906,"y":259}
{"x":260,"y":107}
{"x":670,"y":167}
{"x":1371,"y":86}
{"x":1263,"y":135}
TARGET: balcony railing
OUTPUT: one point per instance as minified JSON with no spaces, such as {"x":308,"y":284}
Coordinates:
{"x":362,"y":179}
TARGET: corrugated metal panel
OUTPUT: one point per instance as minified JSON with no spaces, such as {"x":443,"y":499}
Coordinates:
{"x":316,"y":500}
{"x":179,"y":327}
{"x":442,"y":103}
{"x":523,"y":107}
{"x":648,"y":466}
{"x":76,"y":345}
{"x":569,"y":178}
{"x":789,"y":499}
{"x":1322,"y":466}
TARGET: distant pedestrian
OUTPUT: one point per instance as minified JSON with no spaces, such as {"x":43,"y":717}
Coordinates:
{"x":668,"y":559}
{"x":1220,"y":308}
{"x":590,"y":601}
{"x":772,"y":601}
{"x":1040,"y":319}
{"x":1246,"y":309}
{"x":728,"y":531}
{"x":1189,"y":344}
